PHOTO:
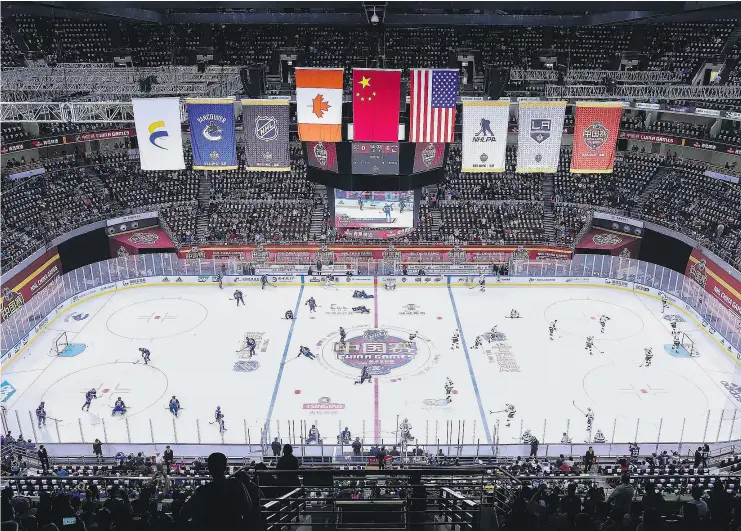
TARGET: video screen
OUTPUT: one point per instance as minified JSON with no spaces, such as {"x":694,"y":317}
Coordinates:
{"x":428,"y":156}
{"x":374,"y":158}
{"x":322,"y":155}
{"x":373,"y":209}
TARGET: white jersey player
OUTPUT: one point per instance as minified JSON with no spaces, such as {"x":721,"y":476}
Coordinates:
{"x":676,"y":342}
{"x":590,"y":344}
{"x":602,"y":322}
{"x":455,"y":341}
{"x":448,"y":389}
{"x":514,"y":314}
{"x":389,"y":285}
{"x":510,"y":410}
{"x":405,"y":430}
{"x":552,"y":329}
{"x":649,"y":354}
{"x":477,"y":343}
{"x":482,"y":283}
{"x":664,"y":302}
{"x":590,"y":419}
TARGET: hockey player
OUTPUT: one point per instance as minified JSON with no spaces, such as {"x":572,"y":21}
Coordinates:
{"x":514,"y":314}
{"x":405,"y":430}
{"x":289,"y":315}
{"x":345,"y":436}
{"x":251,"y":345}
{"x":89,"y":396}
{"x":565,"y":439}
{"x":313,"y":435}
{"x":219,"y":419}
{"x":361,"y":294}
{"x":602,"y":322}
{"x":238,"y":297}
{"x":649,"y":356}
{"x":676,"y":342}
{"x":599,"y":437}
{"x":311,"y":303}
{"x":389,"y":285}
{"x":590,"y":344}
{"x":387,"y":211}
{"x":552,"y":329}
{"x":360,"y":309}
{"x":343,"y":336}
{"x":364,"y":375}
{"x":145,"y":355}
{"x":413,"y":336}
{"x":119,"y":407}
{"x":664,"y":302}
{"x":482,"y":283}
{"x":510,"y":410}
{"x":402,"y":205}
{"x":455,"y":340}
{"x":174,"y":406}
{"x":590,"y":419}
{"x":263,"y":281}
{"x":478,"y":342}
{"x":674,"y":327}
{"x":41,"y":414}
{"x":360,"y":203}
{"x":448,"y":389}
{"x":305,"y":352}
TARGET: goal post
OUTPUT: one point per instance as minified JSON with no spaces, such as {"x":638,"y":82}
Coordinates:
{"x":61,"y":343}
{"x":689,"y":345}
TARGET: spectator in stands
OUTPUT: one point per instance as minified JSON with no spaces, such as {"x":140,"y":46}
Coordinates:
{"x":702,"y":507}
{"x":571,"y":503}
{"x":222,"y":504}
{"x":534,"y":446}
{"x":255,"y":522}
{"x":357,"y":447}
{"x":98,"y":449}
{"x":588,"y":460}
{"x":169,"y":458}
{"x":44,"y":458}
{"x":621,"y":497}
{"x":698,"y":457}
{"x":720,"y":505}
{"x":288,"y":461}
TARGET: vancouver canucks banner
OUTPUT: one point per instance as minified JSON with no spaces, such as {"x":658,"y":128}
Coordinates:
{"x":539,"y":137}
{"x":266,"y":131}
{"x":484,"y":135}
{"x":212,"y":134}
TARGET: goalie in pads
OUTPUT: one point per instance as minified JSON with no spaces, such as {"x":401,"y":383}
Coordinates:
{"x":389,"y":285}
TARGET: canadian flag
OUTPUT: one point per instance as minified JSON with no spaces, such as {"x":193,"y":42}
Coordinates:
{"x":319,"y":104}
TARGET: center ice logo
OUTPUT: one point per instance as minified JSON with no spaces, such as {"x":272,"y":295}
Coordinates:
{"x":376,"y":349}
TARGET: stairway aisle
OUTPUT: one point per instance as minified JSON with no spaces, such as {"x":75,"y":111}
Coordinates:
{"x":549,"y":217}
{"x":204,"y":196}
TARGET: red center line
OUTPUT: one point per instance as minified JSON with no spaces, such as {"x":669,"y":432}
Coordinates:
{"x":376,"y":418}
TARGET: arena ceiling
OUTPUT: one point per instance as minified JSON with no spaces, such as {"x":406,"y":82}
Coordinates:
{"x":391,"y":13}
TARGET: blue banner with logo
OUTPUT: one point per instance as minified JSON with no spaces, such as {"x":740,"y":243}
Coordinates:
{"x":212,"y":134}
{"x":266,"y":130}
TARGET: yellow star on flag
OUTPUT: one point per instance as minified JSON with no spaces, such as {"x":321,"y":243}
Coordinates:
{"x":365,"y":82}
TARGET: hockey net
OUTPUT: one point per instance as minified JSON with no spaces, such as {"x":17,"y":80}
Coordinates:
{"x":60,"y":343}
{"x":689,"y":345}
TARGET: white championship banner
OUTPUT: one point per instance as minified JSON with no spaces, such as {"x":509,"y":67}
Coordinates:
{"x":539,"y":139}
{"x":157,"y":122}
{"x":484,"y":135}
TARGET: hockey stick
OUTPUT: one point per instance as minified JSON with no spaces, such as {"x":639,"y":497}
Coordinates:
{"x":493,"y":412}
{"x":577,"y":407}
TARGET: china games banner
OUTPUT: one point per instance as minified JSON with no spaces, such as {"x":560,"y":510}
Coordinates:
{"x":539,"y":138}
{"x":715,"y":281}
{"x":212,"y":134}
{"x":595,"y":136}
{"x":266,"y":131}
{"x":322,"y":155}
{"x":484,"y":135}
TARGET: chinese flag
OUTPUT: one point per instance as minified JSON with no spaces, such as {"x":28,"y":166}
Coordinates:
{"x":376,"y":104}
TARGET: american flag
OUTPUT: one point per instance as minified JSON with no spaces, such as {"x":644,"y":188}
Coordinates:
{"x":433,"y":96}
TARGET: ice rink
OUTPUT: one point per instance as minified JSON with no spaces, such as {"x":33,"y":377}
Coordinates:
{"x":194,"y":333}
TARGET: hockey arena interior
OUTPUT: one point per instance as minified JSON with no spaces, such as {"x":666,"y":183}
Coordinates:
{"x":371,"y":265}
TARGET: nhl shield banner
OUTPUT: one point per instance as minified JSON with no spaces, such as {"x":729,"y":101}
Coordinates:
{"x":596,"y":132}
{"x":484,"y":135}
{"x":212,"y":134}
{"x":266,"y":132}
{"x":539,"y":138}
{"x":157,"y":122}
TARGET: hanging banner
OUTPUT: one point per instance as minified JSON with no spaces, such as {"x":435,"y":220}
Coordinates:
{"x":157,"y":122}
{"x":595,"y":136}
{"x":319,"y":104}
{"x":484,"y":135}
{"x":266,"y":131}
{"x":539,"y":137}
{"x":432,"y":97}
{"x":322,"y":155}
{"x":212,"y":134}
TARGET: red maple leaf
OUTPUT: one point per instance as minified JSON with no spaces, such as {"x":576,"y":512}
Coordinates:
{"x":319,"y":105}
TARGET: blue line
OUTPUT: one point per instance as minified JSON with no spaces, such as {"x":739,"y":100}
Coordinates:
{"x":470,"y":368}
{"x":282,"y":364}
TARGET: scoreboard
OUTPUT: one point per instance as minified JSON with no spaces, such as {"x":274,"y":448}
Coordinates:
{"x":375,"y":158}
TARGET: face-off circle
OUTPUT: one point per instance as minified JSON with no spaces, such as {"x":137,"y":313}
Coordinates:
{"x":157,"y":318}
{"x":580,"y":317}
{"x":386,"y":351}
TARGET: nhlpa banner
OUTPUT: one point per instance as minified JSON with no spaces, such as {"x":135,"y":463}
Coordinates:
{"x":539,"y":138}
{"x":266,"y":130}
{"x":484,"y":135}
{"x":157,"y":122}
{"x":212,"y":134}
{"x":596,"y":133}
